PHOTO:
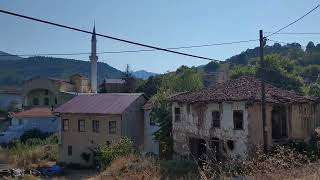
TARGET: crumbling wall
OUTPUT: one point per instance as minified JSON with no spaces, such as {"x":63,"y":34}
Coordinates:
{"x":196,"y":121}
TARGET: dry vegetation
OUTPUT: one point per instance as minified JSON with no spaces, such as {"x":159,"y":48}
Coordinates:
{"x":33,"y":152}
{"x":132,"y":167}
{"x":27,"y":157}
{"x":283,"y":163}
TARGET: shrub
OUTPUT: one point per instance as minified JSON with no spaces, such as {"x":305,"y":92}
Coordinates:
{"x":105,"y":154}
{"x":33,"y":133}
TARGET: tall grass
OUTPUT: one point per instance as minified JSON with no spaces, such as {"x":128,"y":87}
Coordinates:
{"x":32,"y":152}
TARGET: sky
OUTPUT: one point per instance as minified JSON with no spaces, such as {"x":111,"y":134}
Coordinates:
{"x":163,"y":23}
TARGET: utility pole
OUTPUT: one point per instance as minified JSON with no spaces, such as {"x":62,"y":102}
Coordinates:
{"x":263,"y":93}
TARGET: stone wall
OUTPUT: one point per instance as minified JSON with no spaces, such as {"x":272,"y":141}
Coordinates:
{"x":193,"y":125}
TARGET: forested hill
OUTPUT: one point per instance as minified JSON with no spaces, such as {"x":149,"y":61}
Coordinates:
{"x":288,"y":66}
{"x":294,"y":51}
{"x":14,"y":72}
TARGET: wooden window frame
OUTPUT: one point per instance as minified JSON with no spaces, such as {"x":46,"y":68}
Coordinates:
{"x":235,"y":119}
{"x":80,"y":126}
{"x":65,"y":123}
{"x":216,"y":121}
{"x":95,"y":126}
{"x":112,"y":128}
{"x":177,"y":116}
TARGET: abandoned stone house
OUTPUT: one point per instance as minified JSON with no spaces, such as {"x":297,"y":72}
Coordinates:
{"x":227,"y":118}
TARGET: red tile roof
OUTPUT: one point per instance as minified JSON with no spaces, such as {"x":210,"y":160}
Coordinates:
{"x":108,"y":103}
{"x":243,"y":88}
{"x":34,"y":112}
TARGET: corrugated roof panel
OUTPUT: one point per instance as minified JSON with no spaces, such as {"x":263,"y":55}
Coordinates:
{"x":109,"y":103}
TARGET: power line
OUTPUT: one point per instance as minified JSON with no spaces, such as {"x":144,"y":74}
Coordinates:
{"x":105,"y":36}
{"x":130,"y":51}
{"x":296,"y":33}
{"x":313,"y":9}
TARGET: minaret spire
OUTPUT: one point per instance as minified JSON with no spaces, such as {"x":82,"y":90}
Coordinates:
{"x":93,"y":60}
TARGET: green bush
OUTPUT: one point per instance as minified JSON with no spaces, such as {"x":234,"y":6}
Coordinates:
{"x":34,"y":134}
{"x":105,"y":154}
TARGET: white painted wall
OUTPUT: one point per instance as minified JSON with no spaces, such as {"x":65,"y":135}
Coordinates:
{"x":187,"y":127}
{"x":20,"y":125}
{"x":45,"y":124}
{"x":150,"y":144}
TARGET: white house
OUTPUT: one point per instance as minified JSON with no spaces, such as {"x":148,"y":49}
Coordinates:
{"x":35,"y":118}
{"x":150,"y":127}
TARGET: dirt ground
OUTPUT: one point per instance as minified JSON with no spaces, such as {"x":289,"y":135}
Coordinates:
{"x":78,"y":174}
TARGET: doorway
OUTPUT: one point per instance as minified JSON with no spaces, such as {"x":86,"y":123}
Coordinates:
{"x":279,"y":122}
{"x":198,"y":148}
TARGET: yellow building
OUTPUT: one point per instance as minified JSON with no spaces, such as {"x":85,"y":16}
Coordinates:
{"x":47,"y":92}
{"x":89,"y":120}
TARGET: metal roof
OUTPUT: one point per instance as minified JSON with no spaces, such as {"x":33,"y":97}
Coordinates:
{"x":108,"y":103}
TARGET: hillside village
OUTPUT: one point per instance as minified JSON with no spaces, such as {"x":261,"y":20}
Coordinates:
{"x":254,"y":115}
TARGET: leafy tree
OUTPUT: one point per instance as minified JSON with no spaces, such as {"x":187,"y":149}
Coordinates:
{"x":279,"y":71}
{"x":310,"y":73}
{"x":239,"y":71}
{"x":211,"y":66}
{"x":310,"y":47}
{"x":314,"y":90}
{"x":130,"y":81}
{"x":150,"y":86}
{"x":184,"y":79}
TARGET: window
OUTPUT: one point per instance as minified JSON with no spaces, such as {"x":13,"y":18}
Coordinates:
{"x":46,"y":101}
{"x":69,"y":150}
{"x":55,"y":101}
{"x":65,"y":124}
{"x":20,"y":121}
{"x":46,"y":92}
{"x":35,"y":101}
{"x":81,"y":125}
{"x":177,"y":114}
{"x":95,"y":126}
{"x":215,"y":145}
{"x":230,"y":144}
{"x":216,"y":119}
{"x":238,"y":119}
{"x":112,"y":127}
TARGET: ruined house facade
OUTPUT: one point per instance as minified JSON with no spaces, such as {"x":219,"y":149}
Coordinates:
{"x":227,"y":118}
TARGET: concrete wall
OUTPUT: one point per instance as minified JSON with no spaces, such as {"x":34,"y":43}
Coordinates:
{"x":193,"y":126}
{"x":82,"y":141}
{"x":150,"y":144}
{"x":45,"y":124}
{"x":40,"y":94}
{"x":56,"y":88}
{"x":133,"y":122}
